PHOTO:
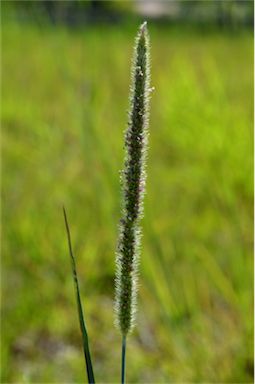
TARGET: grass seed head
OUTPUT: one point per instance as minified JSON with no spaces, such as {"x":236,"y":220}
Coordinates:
{"x":133,"y":185}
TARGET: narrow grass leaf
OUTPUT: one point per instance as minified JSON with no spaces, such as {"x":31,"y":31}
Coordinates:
{"x":85,"y":339}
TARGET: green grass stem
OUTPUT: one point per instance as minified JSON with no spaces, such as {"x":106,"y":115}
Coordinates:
{"x":123,"y":360}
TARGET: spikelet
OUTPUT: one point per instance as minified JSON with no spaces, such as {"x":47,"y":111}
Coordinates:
{"x":133,"y":185}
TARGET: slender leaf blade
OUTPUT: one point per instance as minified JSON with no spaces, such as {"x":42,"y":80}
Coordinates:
{"x":85,"y":339}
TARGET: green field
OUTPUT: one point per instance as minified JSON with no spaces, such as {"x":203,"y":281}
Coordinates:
{"x":64,"y":103}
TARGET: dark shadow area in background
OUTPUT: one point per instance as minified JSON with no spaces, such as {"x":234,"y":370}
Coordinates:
{"x":221,"y":13}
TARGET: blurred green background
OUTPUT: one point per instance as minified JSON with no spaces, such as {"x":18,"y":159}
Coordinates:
{"x":65,"y":86}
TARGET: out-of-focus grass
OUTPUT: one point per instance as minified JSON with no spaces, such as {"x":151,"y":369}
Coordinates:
{"x":64,"y":111}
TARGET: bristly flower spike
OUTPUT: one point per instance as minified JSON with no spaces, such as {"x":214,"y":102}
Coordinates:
{"x":133,"y":185}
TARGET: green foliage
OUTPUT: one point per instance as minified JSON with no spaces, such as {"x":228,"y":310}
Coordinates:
{"x":85,"y":339}
{"x":63,"y":120}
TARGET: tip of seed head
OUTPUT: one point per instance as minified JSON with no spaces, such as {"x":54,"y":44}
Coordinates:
{"x":143,"y":27}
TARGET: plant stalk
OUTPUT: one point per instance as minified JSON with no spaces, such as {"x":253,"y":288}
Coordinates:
{"x":123,"y":360}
